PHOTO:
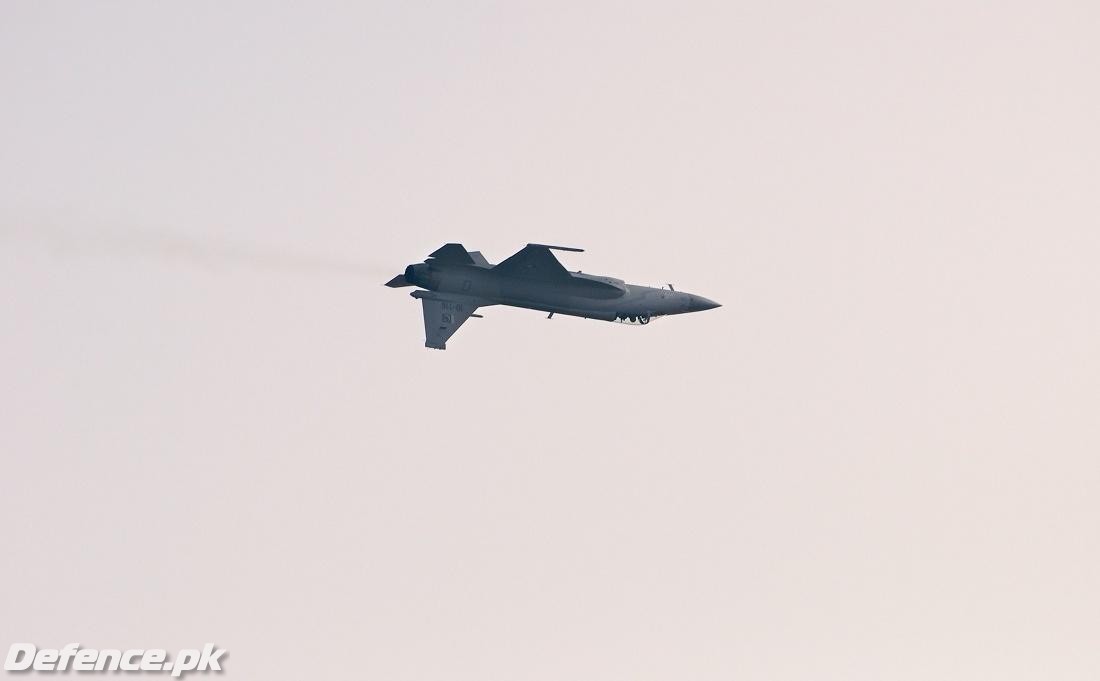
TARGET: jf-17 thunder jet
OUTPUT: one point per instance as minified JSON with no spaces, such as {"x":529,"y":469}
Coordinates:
{"x":457,"y":282}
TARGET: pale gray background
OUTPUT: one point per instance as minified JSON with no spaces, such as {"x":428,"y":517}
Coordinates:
{"x":879,"y":460}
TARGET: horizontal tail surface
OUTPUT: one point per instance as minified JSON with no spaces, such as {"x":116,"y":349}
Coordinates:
{"x":398,"y":282}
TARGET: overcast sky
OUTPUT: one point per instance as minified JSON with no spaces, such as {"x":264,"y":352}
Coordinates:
{"x":877,"y":461}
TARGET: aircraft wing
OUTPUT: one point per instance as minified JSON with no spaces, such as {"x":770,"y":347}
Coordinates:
{"x":535,"y":261}
{"x":443,"y":314}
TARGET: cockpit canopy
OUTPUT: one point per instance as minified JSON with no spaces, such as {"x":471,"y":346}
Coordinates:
{"x":618,"y":284}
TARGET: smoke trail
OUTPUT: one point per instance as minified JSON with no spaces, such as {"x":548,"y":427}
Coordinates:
{"x":207,"y":253}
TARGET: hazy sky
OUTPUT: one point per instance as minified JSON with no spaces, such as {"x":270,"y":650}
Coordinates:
{"x":878,"y":461}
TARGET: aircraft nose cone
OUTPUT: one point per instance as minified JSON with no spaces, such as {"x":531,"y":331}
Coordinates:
{"x":699,"y":303}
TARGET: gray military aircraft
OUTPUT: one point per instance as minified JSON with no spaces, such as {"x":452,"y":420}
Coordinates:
{"x":458,"y":282}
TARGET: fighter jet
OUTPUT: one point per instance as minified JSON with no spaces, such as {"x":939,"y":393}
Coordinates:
{"x":457,"y":282}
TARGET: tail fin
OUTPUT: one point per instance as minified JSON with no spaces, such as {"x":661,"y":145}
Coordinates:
{"x":452,"y":254}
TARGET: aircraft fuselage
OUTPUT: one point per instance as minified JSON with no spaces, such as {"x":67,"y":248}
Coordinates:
{"x":589,"y":296}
